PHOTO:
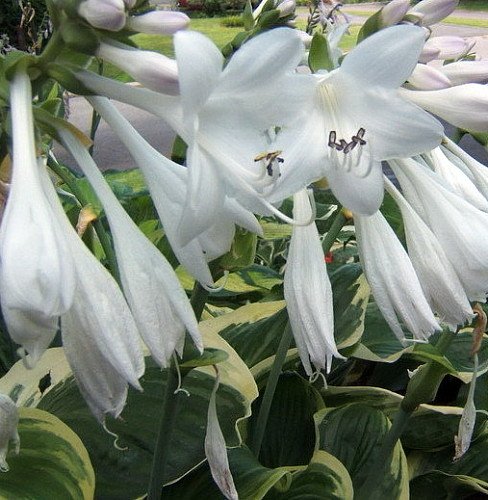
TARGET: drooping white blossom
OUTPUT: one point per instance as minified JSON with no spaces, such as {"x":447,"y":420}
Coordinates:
{"x":308,"y":293}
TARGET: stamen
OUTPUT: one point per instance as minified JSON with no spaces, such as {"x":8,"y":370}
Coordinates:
{"x":290,"y":220}
{"x":114,"y":435}
{"x":218,"y":288}
{"x":178,"y":373}
{"x":268,"y":162}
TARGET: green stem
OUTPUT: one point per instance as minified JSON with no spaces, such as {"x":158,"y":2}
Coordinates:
{"x":335,"y":229}
{"x":166,"y":424}
{"x":274,"y":375}
{"x":52,"y":49}
{"x":422,"y":388}
{"x":102,"y":234}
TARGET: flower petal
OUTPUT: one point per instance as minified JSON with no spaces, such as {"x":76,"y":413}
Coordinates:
{"x":386,"y":58}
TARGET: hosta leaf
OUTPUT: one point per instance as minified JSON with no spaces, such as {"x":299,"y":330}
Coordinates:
{"x":289,"y":434}
{"x":437,"y":485}
{"x":52,"y":463}
{"x":354,"y":434}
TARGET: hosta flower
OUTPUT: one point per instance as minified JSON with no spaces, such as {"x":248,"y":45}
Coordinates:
{"x":36,"y":273}
{"x":167,"y":182}
{"x":308,"y":293}
{"x":158,"y":22}
{"x":103,"y":14}
{"x":460,"y":227}
{"x":393,"y":12}
{"x":437,"y":277}
{"x":355,"y":118}
{"x":447,"y":47}
{"x":425,"y":77}
{"x":155,"y":71}
{"x":433,"y":11}
{"x":465,"y":106}
{"x":461,"y":72}
{"x":158,"y":301}
{"x":100,"y":337}
{"x":9,"y":419}
{"x":225,"y":116}
{"x":394,"y":283}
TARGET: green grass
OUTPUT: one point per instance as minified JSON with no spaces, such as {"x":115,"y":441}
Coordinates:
{"x":473,"y":4}
{"x":462,"y":21}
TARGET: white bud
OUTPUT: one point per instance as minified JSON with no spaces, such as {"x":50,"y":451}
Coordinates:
{"x":426,"y":77}
{"x":9,"y":419}
{"x":449,"y":47}
{"x":103,"y":14}
{"x":393,"y":12}
{"x":160,"y":22}
{"x":286,"y":8}
{"x":433,"y":11}
{"x":155,"y":71}
{"x":466,"y":72}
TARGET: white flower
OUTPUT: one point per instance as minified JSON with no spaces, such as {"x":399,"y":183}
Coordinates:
{"x":393,"y":12}
{"x":224,"y":115}
{"x":394,"y":283}
{"x":308,"y":293}
{"x":426,"y":77}
{"x":459,"y":226}
{"x":437,"y":277}
{"x":9,"y":419}
{"x":167,"y":182}
{"x":158,"y":22}
{"x":459,"y":182}
{"x":461,"y":72}
{"x":37,"y":273}
{"x":155,"y":71}
{"x":448,"y":47}
{"x":103,"y":14}
{"x":433,"y":11}
{"x":465,"y":106}
{"x":157,"y":300}
{"x":100,"y":337}
{"x":354,"y":118}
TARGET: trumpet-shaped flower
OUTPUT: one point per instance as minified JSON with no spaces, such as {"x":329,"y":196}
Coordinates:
{"x":355,"y":118}
{"x":36,"y":273}
{"x":157,"y":299}
{"x":167,"y":182}
{"x":225,"y":115}
{"x":9,"y":419}
{"x":158,"y":22}
{"x":308,"y":293}
{"x":465,"y":106}
{"x":103,"y":14}
{"x":460,"y":227}
{"x":391,"y":275}
{"x":155,"y":71}
{"x":99,"y":334}
{"x":437,"y":277}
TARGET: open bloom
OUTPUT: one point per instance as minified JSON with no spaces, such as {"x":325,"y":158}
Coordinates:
{"x":37,"y":273}
{"x":156,"y":298}
{"x":394,"y":283}
{"x":308,"y":293}
{"x":355,"y":118}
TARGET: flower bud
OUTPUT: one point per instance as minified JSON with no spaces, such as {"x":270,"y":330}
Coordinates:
{"x":153,"y":70}
{"x":449,"y":47}
{"x":426,"y":77}
{"x":159,"y":22}
{"x":433,"y":11}
{"x":103,"y":14}
{"x":466,"y":72}
{"x":286,"y":8}
{"x":393,"y":12}
{"x":9,"y":419}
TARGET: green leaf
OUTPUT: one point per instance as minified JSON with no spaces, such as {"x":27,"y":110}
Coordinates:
{"x":319,"y":56}
{"x":350,"y":294}
{"x":325,"y":477}
{"x":242,"y":251}
{"x":438,"y":485}
{"x":354,"y":435}
{"x":52,"y":463}
{"x":371,"y":25}
{"x":209,"y":357}
{"x":275,"y":231}
{"x":290,"y":435}
{"x":247,"y":16}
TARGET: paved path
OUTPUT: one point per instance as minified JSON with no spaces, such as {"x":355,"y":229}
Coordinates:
{"x":110,"y":153}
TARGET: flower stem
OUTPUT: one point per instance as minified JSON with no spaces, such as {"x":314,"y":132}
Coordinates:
{"x":274,"y":375}
{"x":166,"y":424}
{"x":102,"y":234}
{"x":334,"y":230}
{"x":198,"y":299}
{"x":422,"y":388}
